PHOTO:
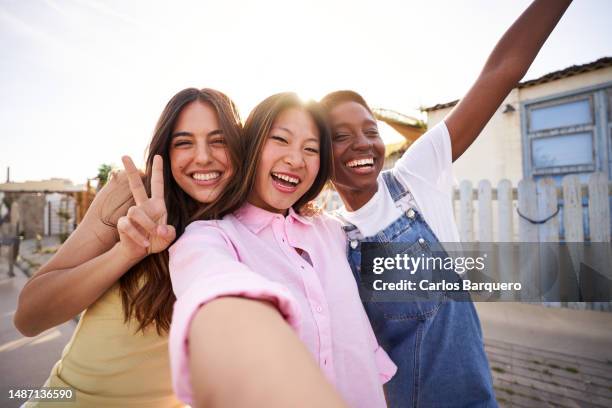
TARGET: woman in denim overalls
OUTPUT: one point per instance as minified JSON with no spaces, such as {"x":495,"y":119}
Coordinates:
{"x":428,"y":337}
{"x":436,"y":344}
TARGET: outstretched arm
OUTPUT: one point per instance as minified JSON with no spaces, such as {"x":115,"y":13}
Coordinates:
{"x":246,"y":345}
{"x":507,"y":64}
{"x":233,"y":340}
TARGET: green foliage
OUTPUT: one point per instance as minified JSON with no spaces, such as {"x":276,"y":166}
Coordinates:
{"x":104,"y":172}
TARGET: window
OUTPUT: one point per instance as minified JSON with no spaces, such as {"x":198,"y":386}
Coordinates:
{"x":567,"y":150}
{"x":561,"y":115}
{"x":568,"y":133}
{"x":560,"y":136}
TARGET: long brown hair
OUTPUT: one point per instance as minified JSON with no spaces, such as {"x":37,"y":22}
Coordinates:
{"x":256,"y":131}
{"x":146,"y":291}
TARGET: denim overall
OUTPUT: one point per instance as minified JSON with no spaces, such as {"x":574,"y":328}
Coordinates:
{"x":436,"y":344}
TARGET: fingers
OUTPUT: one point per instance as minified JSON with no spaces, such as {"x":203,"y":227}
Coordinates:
{"x":166,"y":232}
{"x":157,"y":177}
{"x":136,"y":186}
{"x":140,"y":219}
{"x":127,"y":229}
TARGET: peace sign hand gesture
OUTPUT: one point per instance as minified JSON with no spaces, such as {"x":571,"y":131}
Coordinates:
{"x":143,"y":230}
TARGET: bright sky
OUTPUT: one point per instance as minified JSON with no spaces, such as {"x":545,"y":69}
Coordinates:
{"x":83,"y":82}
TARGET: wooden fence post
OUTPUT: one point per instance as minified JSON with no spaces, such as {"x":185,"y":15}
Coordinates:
{"x":574,"y":232}
{"x":528,"y":232}
{"x":548,"y":204}
{"x":485,"y":212}
{"x":599,"y":219}
{"x":599,"y":208}
{"x":506,"y":260}
{"x":572,"y":209}
{"x":504,"y":200}
{"x":528,"y":206}
{"x":466,"y":211}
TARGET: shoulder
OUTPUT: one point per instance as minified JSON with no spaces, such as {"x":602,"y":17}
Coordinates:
{"x":204,"y":235}
{"x":328,"y":223}
{"x":434,"y":140}
{"x":203,"y":225}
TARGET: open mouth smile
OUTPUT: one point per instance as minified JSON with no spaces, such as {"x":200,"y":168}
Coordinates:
{"x":361,"y":166}
{"x":285,"y":183}
{"x":206,"y":178}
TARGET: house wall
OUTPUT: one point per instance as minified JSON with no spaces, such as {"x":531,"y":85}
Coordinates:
{"x":497,"y":153}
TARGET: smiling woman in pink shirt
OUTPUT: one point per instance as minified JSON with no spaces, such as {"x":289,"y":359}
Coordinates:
{"x":267,"y":312}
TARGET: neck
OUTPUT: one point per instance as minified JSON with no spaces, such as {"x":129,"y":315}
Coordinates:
{"x":266,"y":207}
{"x":354,"y":198}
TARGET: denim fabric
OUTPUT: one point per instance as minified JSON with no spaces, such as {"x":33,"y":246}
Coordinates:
{"x":436,"y":343}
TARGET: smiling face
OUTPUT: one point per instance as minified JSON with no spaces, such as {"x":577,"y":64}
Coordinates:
{"x":289,"y":161}
{"x":358,"y":149}
{"x":199,"y":161}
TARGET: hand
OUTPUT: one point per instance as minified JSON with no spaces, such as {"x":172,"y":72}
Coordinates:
{"x":143,"y":230}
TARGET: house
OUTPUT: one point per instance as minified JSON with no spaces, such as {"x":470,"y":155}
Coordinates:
{"x":42,"y":207}
{"x":406,"y":127}
{"x":551,"y":126}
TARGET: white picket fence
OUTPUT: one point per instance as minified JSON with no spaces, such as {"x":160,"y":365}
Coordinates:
{"x":558,"y":213}
{"x":486,"y":214}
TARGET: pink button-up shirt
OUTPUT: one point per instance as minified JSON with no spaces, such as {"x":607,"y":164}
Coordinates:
{"x":251,"y":253}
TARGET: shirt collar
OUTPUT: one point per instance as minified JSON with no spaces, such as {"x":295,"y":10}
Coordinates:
{"x":256,"y":218}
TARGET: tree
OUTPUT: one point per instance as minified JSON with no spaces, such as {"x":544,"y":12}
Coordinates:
{"x":104,"y":172}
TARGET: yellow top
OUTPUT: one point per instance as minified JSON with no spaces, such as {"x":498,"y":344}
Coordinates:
{"x":108,"y":364}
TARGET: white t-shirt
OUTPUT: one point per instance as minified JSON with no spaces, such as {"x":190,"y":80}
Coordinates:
{"x":425,"y":169}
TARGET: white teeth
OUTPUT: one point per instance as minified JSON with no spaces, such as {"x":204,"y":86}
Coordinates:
{"x":206,"y":176}
{"x":287,"y":178}
{"x":360,"y":162}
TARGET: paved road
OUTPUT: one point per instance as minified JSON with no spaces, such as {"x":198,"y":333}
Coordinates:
{"x":548,"y":357}
{"x":24,"y":362}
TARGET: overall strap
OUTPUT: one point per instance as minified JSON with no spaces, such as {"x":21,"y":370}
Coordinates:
{"x":397,"y":190}
{"x":351,"y":230}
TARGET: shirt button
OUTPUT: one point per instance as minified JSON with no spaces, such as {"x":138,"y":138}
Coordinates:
{"x":410,"y":213}
{"x":354,"y":244}
{"x":324,"y":361}
{"x":319,"y":309}
{"x":421,"y":240}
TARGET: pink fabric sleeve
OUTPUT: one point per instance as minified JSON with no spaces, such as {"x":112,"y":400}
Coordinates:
{"x":204,"y":267}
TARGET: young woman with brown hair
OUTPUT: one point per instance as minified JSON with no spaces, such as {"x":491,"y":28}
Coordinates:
{"x":114,"y":266}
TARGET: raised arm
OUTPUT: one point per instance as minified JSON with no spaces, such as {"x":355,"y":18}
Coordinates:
{"x":504,"y":68}
{"x":246,"y":345}
{"x":88,"y":263}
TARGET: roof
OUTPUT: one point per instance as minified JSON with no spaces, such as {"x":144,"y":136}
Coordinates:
{"x":391,"y":116}
{"x":553,"y":76}
{"x":46,"y":186}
